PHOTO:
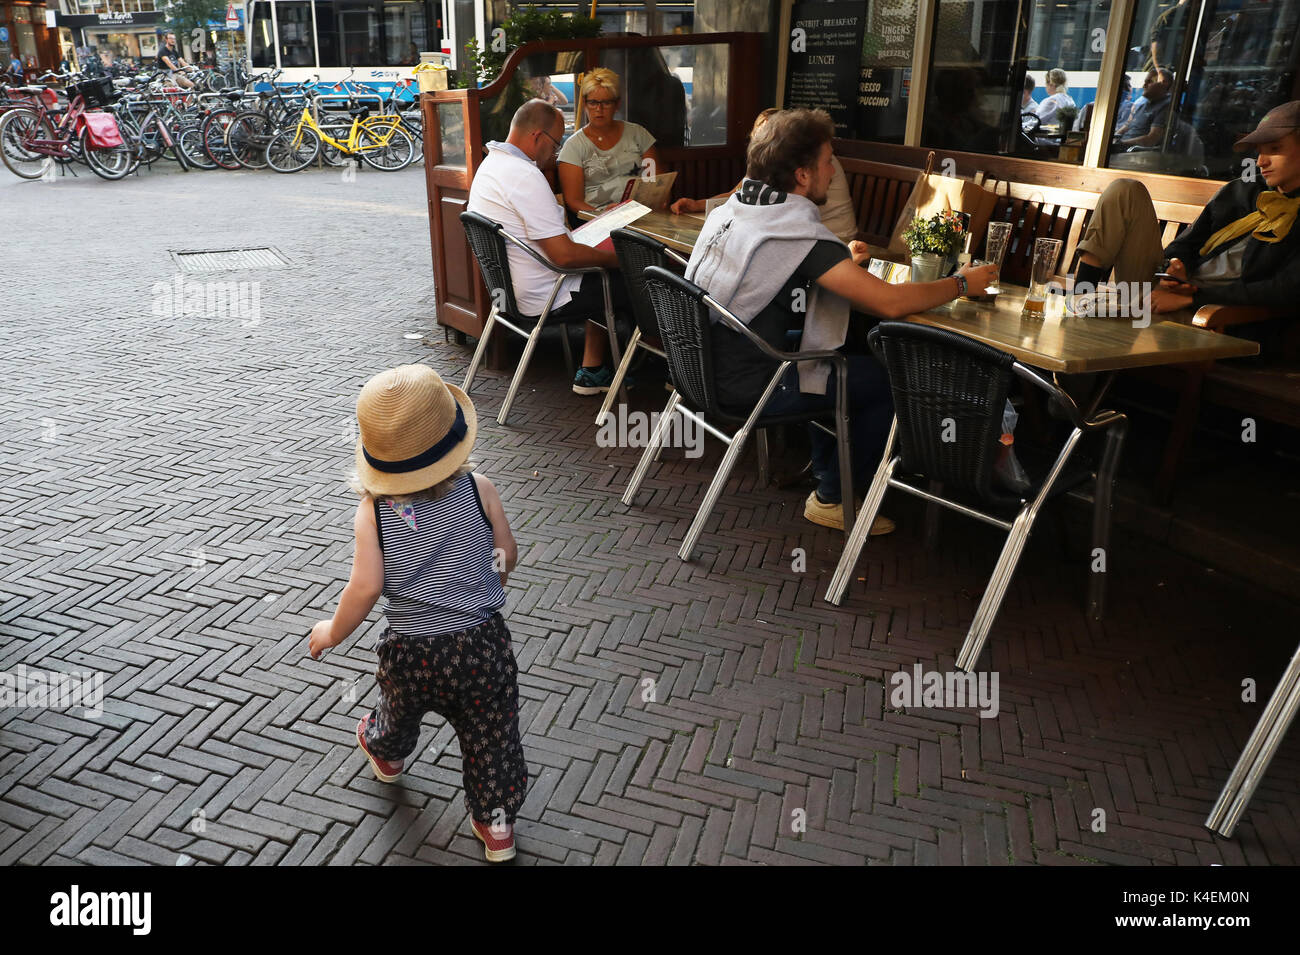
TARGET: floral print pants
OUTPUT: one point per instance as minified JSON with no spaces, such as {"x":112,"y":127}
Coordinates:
{"x":469,"y":679}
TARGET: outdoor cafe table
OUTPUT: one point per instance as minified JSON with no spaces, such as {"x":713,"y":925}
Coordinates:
{"x":1067,"y":344}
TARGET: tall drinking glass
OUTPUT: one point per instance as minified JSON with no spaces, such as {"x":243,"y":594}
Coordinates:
{"x":1046,"y":252}
{"x":995,"y":248}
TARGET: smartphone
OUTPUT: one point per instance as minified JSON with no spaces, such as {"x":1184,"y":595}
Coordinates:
{"x":1166,"y":277}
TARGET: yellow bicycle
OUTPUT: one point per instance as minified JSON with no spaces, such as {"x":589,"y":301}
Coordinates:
{"x":379,"y":141}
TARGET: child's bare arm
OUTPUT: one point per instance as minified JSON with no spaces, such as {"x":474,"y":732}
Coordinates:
{"x":363,"y":588}
{"x":503,"y":542}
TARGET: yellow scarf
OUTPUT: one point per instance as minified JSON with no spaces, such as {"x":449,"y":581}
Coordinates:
{"x":1272,"y":219}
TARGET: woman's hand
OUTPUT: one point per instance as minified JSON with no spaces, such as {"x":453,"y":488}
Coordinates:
{"x":687,"y":205}
{"x":322,"y":638}
{"x":860,"y":251}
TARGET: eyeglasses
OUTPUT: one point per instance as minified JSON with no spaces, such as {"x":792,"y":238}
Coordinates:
{"x":601,"y":103}
{"x":558,"y":144}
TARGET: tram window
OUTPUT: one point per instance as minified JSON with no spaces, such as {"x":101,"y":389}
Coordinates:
{"x":1210,"y":70}
{"x":297,"y":44}
{"x":405,"y":33}
{"x":261,"y":36}
{"x":350,"y":31}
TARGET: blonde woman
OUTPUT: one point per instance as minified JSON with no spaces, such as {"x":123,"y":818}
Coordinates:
{"x":1057,"y":97}
{"x":836,"y":212}
{"x":598,"y":160}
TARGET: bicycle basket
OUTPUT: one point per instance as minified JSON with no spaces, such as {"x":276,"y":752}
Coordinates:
{"x":96,"y":92}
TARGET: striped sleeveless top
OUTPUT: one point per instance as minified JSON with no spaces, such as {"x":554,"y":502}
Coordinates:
{"x":438,"y":574}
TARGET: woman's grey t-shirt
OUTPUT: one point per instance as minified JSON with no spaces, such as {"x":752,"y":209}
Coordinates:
{"x":605,"y":172}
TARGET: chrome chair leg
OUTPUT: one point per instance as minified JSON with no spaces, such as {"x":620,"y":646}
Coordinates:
{"x":1101,"y":517}
{"x":1263,"y":743}
{"x":480,"y":351}
{"x":517,"y":380}
{"x":996,"y":589}
{"x":616,"y":385}
{"x":651,"y":451}
{"x":857,"y":537}
{"x":734,"y":447}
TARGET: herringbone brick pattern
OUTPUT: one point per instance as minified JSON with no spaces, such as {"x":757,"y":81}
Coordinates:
{"x":176,"y":516}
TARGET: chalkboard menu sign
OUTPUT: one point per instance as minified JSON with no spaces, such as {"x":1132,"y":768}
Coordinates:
{"x":886,"y":70}
{"x":825,"y":60}
{"x":854,"y":61}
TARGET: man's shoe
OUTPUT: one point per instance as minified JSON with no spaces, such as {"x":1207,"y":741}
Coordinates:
{"x":385,"y":771}
{"x":593,"y":381}
{"x":832,"y":515}
{"x":498,"y":846}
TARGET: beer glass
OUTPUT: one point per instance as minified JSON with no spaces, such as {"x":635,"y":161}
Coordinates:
{"x":1046,"y":252}
{"x":995,"y":248}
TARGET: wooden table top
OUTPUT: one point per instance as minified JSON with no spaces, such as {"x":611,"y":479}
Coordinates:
{"x":1072,"y":344}
{"x":1056,"y":342}
{"x":676,"y":232}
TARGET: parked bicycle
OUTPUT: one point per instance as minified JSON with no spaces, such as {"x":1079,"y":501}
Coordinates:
{"x":35,"y":136}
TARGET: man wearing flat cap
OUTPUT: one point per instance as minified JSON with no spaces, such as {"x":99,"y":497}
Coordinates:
{"x":1243,"y":249}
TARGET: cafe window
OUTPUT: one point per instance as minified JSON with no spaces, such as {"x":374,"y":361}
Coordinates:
{"x":677,"y":93}
{"x":976,"y":97}
{"x":1209,"y":69}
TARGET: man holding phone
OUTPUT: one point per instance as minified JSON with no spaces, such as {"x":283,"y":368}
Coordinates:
{"x":1243,"y":249}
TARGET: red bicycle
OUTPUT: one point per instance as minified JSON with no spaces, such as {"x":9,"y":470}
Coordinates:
{"x":34,"y":136}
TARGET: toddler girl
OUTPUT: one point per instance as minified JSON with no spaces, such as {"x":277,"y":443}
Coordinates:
{"x":433,"y":538}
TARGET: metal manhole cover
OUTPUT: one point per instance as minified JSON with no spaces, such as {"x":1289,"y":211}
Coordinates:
{"x":230,"y":260}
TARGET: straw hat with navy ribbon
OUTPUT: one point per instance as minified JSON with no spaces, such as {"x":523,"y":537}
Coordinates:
{"x":416,"y":430}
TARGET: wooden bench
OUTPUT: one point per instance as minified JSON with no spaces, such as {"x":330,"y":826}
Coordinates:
{"x":1051,"y":200}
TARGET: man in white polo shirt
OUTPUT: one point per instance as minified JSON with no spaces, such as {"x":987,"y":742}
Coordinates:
{"x":510,"y":188}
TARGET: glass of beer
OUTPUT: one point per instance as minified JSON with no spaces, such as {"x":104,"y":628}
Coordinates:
{"x":995,"y":249}
{"x":1046,"y":252}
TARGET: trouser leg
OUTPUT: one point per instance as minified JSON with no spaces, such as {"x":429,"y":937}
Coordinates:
{"x":393,"y":727}
{"x":487,"y":724}
{"x":1124,"y":233}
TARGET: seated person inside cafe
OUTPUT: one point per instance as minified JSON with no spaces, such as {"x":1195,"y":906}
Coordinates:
{"x":766,"y":256}
{"x":1147,"y":119}
{"x":597,"y":162}
{"x":1057,"y":97}
{"x":837,"y":212}
{"x":1243,"y":249}
{"x":510,"y":187}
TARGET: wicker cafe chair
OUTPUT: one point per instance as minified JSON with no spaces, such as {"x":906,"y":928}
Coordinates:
{"x":949,"y":394}
{"x":636,"y":253}
{"x":488,"y":240}
{"x":682,"y":310}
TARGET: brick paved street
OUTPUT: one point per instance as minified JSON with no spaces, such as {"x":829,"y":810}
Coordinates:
{"x":176,"y":516}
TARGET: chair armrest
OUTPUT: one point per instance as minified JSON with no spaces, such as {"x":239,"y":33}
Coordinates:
{"x":547,"y":262}
{"x":676,"y":257}
{"x":736,"y":325}
{"x":1215,"y":317}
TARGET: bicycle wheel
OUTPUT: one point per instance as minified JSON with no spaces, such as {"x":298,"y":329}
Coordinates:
{"x":385,"y":146}
{"x":247,"y":137}
{"x":17,"y":126}
{"x":214,"y":138}
{"x":292,"y":149}
{"x":111,"y":164}
{"x":191,"y":143}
